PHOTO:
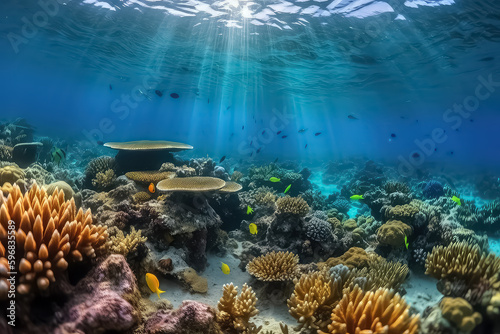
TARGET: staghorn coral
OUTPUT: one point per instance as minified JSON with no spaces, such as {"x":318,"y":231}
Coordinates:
{"x":121,"y":244}
{"x":274,"y":266}
{"x":460,"y":313}
{"x":11,"y":174}
{"x":393,"y":233}
{"x":292,"y":205}
{"x":145,"y":178}
{"x":104,"y":180}
{"x":235,"y":311}
{"x":377,"y":312}
{"x":49,"y":233}
{"x":313,"y":299}
{"x":463,"y":261}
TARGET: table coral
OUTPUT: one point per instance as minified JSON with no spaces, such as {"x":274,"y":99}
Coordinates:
{"x":274,"y":266}
{"x":393,"y":233}
{"x":145,"y":178}
{"x":380,"y":311}
{"x":460,"y":313}
{"x":49,"y":233}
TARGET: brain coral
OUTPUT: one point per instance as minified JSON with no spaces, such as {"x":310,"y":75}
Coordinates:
{"x":292,"y":205}
{"x":404,"y":213}
{"x":11,"y":174}
{"x":460,"y":313}
{"x":380,"y":311}
{"x":49,"y":233}
{"x":274,"y":266}
{"x":319,"y":230}
{"x":393,"y":233}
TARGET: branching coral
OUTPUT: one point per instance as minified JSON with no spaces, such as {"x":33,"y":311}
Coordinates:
{"x":274,"y":266}
{"x":49,"y":232}
{"x":465,"y":262}
{"x":385,"y":274}
{"x":235,"y":311}
{"x":292,"y":205}
{"x":104,"y":180}
{"x":378,"y":312}
{"x":98,"y":165}
{"x":121,"y":244}
{"x":460,"y":313}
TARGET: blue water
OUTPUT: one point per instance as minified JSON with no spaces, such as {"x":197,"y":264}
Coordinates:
{"x":395,"y":67}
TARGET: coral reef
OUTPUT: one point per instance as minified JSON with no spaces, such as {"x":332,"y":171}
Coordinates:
{"x":96,"y":166}
{"x":236,"y":311}
{"x":393,"y":233}
{"x":121,"y":244}
{"x":145,"y":178}
{"x":274,"y":266}
{"x":11,"y":174}
{"x":460,"y":313}
{"x":104,"y":180}
{"x":292,"y":205}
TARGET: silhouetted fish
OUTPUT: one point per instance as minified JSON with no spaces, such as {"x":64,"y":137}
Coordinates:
{"x":284,"y":137}
{"x":278,"y":132}
{"x":258,"y":151}
{"x":276,"y":160}
{"x":302,"y":130}
{"x":251,"y":143}
{"x":243,"y":127}
{"x":160,"y":94}
{"x":487,"y":59}
{"x":208,"y":100}
{"x":317,"y":134}
{"x":222,"y":159}
{"x":393,"y":135}
{"x":174,"y":95}
{"x":110,"y":87}
{"x":263,"y":131}
{"x":228,"y":108}
{"x":305,"y":146}
{"x":416,"y":155}
{"x":352,"y":117}
{"x":100,"y":142}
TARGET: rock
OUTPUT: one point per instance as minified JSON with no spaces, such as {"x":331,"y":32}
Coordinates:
{"x":193,"y":281}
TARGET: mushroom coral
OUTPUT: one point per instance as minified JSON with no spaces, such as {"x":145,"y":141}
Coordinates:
{"x":49,"y":232}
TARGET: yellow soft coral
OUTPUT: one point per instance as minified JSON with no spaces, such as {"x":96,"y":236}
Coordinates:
{"x":274,"y":266}
{"x":49,"y":232}
{"x":121,"y":244}
{"x":235,"y":311}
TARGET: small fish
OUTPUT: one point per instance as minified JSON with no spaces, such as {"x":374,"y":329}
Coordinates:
{"x":357,"y":197}
{"x":258,"y":151}
{"x":276,"y":160}
{"x":225,"y":268}
{"x":274,"y":179}
{"x":159,"y":93}
{"x":415,"y":155}
{"x":110,"y":87}
{"x":174,"y":95}
{"x":302,"y":130}
{"x":456,"y":200}
{"x":58,"y":155}
{"x":153,"y":284}
{"x":208,"y":100}
{"x":222,"y":159}
{"x":287,"y":188}
{"x":317,"y":134}
{"x":253,"y":228}
{"x":393,"y":135}
{"x":406,"y":242}
{"x":284,"y":137}
{"x":249,"y":210}
{"x":228,"y":108}
{"x":100,"y":142}
{"x":243,"y":127}
{"x":305,"y":146}
{"x":278,"y":132}
{"x":352,"y":117}
{"x":152,"y":188}
{"x":251,"y":143}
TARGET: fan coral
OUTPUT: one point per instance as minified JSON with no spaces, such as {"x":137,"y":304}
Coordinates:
{"x":104,"y":180}
{"x":393,"y":233}
{"x":463,"y":261}
{"x":235,"y":311}
{"x":460,"y":313}
{"x":319,"y":230}
{"x":292,"y":205}
{"x":274,"y":266}
{"x":49,"y":233}
{"x":313,"y":299}
{"x":404,"y":213}
{"x":342,"y":205}
{"x":433,"y":189}
{"x":381,"y":311}
{"x":121,"y":244}
{"x":11,"y":174}
{"x":396,"y":187}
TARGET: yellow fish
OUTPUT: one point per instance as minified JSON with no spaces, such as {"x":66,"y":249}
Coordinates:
{"x":456,"y":200}
{"x":249,"y":210}
{"x":225,"y":268}
{"x":253,"y":228}
{"x":357,"y":197}
{"x":274,"y":179}
{"x":153,"y":284}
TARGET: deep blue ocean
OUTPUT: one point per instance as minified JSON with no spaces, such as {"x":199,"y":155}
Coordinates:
{"x":88,"y":70}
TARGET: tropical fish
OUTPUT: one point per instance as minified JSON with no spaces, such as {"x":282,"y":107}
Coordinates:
{"x":357,"y":197}
{"x":317,"y":134}
{"x":287,"y":188}
{"x":406,"y":242}
{"x":174,"y":95}
{"x":100,"y":142}
{"x":456,"y":200}
{"x":222,"y":159}
{"x":159,"y":93}
{"x":284,"y":137}
{"x":305,"y":146}
{"x":225,"y":268}
{"x":302,"y":130}
{"x":415,"y":155}
{"x":151,"y":188}
{"x":352,"y":117}
{"x":249,"y":210}
{"x":274,"y":179}
{"x":58,"y":155}
{"x":153,"y":284}
{"x":253,"y":228}
{"x":278,"y":132}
